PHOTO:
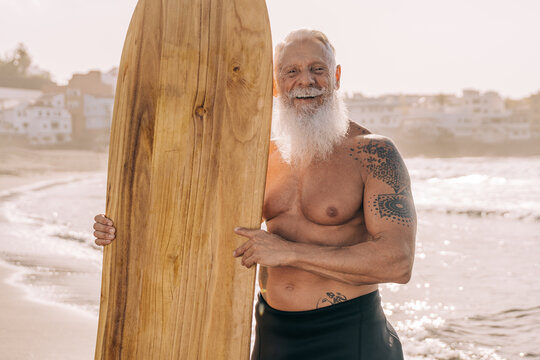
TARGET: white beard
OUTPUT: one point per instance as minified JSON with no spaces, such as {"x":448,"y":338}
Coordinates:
{"x":309,"y":134}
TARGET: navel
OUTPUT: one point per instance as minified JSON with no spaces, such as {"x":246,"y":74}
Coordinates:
{"x":331,"y":211}
{"x":289,"y":287}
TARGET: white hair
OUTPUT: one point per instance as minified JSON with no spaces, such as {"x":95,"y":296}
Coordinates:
{"x":307,"y":34}
{"x":305,"y":136}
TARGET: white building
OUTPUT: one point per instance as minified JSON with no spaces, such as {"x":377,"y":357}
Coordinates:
{"x":473,"y":116}
{"x":518,"y":126}
{"x":110,"y":78}
{"x":10,"y":97}
{"x":98,"y":112}
{"x":381,"y":115}
{"x":42,"y":123}
{"x":47,"y":125}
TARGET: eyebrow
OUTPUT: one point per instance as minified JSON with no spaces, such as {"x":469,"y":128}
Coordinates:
{"x":315,"y":63}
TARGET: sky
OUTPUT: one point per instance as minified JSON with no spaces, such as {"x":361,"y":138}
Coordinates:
{"x":384,"y":46}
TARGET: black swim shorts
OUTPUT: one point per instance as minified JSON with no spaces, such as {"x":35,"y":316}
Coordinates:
{"x":351,"y":330}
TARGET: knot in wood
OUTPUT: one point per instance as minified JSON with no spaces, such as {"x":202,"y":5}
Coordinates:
{"x":200,"y":111}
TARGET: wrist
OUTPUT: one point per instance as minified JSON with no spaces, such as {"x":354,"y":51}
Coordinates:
{"x":292,"y":254}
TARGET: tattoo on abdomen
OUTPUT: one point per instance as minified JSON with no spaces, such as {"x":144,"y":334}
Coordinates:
{"x":331,"y":298}
{"x":384,"y":163}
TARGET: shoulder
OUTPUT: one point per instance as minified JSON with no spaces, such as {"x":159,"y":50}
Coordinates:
{"x":369,"y":145}
{"x":372,"y":144}
{"x":380,"y":159}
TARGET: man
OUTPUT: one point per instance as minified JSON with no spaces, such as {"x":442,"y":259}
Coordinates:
{"x":340,"y":219}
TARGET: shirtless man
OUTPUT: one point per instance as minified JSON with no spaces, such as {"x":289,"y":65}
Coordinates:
{"x":340,"y":219}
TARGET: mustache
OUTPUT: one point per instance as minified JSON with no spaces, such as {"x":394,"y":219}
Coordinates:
{"x":305,"y":92}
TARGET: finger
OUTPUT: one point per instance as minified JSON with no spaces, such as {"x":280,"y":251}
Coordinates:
{"x":104,"y":228}
{"x":249,"y":262}
{"x":247,"y":254}
{"x":103,"y":236}
{"x":246,"y":232}
{"x":102,"y":219}
{"x":102,"y":242}
{"x":240,"y":250}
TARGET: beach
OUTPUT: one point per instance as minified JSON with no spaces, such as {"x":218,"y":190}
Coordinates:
{"x":33,"y":327}
{"x":33,"y":330}
{"x":473,"y":293}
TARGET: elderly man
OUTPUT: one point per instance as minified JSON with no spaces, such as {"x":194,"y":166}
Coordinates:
{"x":340,"y":218}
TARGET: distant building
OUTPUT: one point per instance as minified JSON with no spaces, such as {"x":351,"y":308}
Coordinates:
{"x":39,"y":124}
{"x":534,"y":115}
{"x":474,"y":116}
{"x":518,"y":126}
{"x":98,"y":113}
{"x":48,"y":125}
{"x":381,"y":115}
{"x":10,"y":97}
{"x":89,"y":98}
{"x":110,"y":78}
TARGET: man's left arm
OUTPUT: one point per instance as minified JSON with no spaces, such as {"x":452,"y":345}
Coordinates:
{"x":390,"y":220}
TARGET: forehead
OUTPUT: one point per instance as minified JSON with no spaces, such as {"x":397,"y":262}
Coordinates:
{"x":303,"y":51}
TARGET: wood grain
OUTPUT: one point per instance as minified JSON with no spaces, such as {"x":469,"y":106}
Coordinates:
{"x":187,"y":163}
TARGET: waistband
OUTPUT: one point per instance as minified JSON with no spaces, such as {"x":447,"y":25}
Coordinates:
{"x":360,"y":305}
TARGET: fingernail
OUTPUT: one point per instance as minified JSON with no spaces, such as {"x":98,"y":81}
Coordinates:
{"x":109,"y":223}
{"x":236,"y":228}
{"x":234,"y":253}
{"x":111,"y":231}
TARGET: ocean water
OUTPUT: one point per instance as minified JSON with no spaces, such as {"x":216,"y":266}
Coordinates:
{"x":474,"y":293}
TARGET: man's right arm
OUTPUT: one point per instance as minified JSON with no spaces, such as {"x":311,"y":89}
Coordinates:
{"x":104,"y":230}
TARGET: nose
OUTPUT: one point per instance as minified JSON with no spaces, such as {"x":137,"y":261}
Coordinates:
{"x":306,"y":79}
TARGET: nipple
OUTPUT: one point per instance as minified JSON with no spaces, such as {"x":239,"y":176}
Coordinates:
{"x":331,"y":211}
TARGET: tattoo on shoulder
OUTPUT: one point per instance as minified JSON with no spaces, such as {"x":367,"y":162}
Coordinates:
{"x":331,"y":298}
{"x":383,"y":162}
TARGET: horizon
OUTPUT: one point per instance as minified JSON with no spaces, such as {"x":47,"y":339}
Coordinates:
{"x":415,"y":48}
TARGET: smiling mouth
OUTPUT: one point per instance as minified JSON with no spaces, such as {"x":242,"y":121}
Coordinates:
{"x":306,"y":97}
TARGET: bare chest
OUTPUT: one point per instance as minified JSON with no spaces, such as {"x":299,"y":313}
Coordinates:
{"x":325,"y":194}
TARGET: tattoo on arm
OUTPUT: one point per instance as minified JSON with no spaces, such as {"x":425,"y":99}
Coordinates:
{"x":331,"y":298}
{"x":383,"y":162}
{"x":393,"y":207}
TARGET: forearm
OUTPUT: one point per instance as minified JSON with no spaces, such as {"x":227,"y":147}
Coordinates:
{"x":370,"y":262}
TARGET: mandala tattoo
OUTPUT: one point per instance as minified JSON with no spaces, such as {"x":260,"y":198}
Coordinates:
{"x":332,"y":298}
{"x":384,"y":163}
{"x":394,"y":207}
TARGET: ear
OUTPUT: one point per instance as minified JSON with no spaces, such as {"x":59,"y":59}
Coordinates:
{"x":338,"y":76}
{"x":274,"y":86}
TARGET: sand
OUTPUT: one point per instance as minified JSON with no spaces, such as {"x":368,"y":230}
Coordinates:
{"x":31,"y":329}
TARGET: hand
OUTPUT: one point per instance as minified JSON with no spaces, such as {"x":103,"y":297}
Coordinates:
{"x":263,"y":248}
{"x":104,"y":230}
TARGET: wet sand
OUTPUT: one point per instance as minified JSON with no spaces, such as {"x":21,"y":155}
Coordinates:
{"x":31,"y":329}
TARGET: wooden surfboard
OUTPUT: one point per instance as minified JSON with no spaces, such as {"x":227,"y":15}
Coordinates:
{"x":187,"y":163}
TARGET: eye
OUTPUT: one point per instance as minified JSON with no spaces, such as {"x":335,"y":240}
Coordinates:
{"x":290,"y":72}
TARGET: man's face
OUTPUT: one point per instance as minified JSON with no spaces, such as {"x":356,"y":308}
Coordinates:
{"x":303,"y":75}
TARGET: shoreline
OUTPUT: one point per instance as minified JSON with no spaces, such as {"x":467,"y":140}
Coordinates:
{"x":33,"y":328}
